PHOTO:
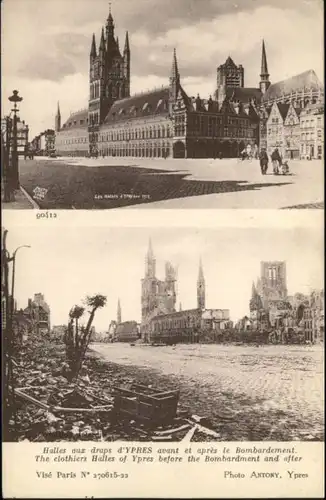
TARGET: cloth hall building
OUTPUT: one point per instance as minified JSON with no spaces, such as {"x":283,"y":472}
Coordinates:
{"x":166,"y":122}
{"x":161,"y":322}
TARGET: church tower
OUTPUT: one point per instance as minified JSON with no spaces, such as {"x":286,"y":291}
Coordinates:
{"x":57,"y":125}
{"x":119,"y":312}
{"x":273,"y":285}
{"x":170,"y":295}
{"x":200,"y":288}
{"x":174,"y":82}
{"x":109,"y":78}
{"x":264,"y":75}
{"x":149,"y":295}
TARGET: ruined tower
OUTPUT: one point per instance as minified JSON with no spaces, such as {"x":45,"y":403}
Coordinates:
{"x":272,"y":285}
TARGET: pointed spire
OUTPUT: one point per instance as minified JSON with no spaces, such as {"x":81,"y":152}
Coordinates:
{"x":127,"y":48}
{"x":109,"y":22}
{"x":175,"y":72}
{"x":117,"y":41}
{"x":200,"y":271}
{"x":150,"y":253}
{"x":264,"y":68}
{"x":93,"y":47}
{"x":58,"y":110}
{"x":102,"y":42}
{"x":253,"y":290}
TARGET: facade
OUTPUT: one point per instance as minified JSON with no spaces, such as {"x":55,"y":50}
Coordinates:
{"x":38,"y":312}
{"x":127,"y":331}
{"x":189,"y":326}
{"x":72,"y":138}
{"x":22,"y":136}
{"x":292,"y":134}
{"x":283,"y":130}
{"x":162,"y":123}
{"x":313,"y":317}
{"x":43,"y":144}
{"x":312,"y":131}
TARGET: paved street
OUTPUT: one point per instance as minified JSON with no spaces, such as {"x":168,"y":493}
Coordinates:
{"x":270,"y":392}
{"x":159,"y":183}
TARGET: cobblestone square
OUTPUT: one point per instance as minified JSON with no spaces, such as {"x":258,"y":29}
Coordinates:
{"x":158,"y":183}
{"x":249,"y":393}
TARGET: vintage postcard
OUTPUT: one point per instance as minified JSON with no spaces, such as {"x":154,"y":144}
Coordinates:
{"x":164,"y":104}
{"x":176,"y":348}
{"x":173,"y":353}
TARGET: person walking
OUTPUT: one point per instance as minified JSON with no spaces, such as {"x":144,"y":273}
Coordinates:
{"x":276,"y":160}
{"x":263,"y":160}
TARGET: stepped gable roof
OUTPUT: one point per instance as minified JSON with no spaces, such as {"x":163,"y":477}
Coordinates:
{"x":75,"y":119}
{"x":306,"y":80}
{"x":140,"y":105}
{"x":283,"y":109}
{"x":243,"y":94}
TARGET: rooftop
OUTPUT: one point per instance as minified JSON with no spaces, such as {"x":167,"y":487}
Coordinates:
{"x":307,"y":80}
{"x":154,"y":102}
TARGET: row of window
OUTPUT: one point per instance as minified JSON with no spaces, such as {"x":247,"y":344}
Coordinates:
{"x":311,"y":123}
{"x":73,"y":140}
{"x":200,"y":121}
{"x":311,"y":135}
{"x":144,"y":133}
{"x":141,"y":152}
{"x":168,"y":324}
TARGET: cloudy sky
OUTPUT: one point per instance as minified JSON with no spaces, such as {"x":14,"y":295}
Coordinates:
{"x":66,"y":265}
{"x":46,"y":45}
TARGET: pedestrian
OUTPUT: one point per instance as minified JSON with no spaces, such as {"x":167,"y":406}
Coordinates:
{"x":243,"y":154}
{"x":263,"y":160}
{"x":276,"y":160}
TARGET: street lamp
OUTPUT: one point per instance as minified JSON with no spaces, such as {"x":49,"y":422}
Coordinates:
{"x":15,"y":98}
{"x":13,"y":258}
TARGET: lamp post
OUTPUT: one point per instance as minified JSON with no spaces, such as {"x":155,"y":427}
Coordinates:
{"x":9,"y":382}
{"x":15,"y":98}
{"x":6,"y":134}
{"x":13,"y":279}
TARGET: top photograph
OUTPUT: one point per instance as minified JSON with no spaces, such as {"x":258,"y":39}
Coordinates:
{"x":162,"y":104}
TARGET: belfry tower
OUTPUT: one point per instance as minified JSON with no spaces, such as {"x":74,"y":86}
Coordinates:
{"x":264,"y":75}
{"x":109,"y":78}
{"x":201,"y":288}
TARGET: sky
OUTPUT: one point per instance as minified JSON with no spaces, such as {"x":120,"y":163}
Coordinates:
{"x":67,"y":265}
{"x":46,"y":44}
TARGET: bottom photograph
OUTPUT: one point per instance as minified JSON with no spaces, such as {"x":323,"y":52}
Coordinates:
{"x":162,"y":335}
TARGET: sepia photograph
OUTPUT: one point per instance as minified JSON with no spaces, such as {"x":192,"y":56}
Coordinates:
{"x":184,"y":335}
{"x":162,"y":104}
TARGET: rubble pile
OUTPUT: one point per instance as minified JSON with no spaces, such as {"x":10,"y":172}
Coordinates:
{"x":52,"y":408}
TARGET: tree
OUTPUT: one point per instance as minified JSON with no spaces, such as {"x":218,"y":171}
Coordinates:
{"x":77,"y":337}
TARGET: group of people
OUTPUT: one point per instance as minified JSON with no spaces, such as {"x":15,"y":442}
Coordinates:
{"x":279,"y":165}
